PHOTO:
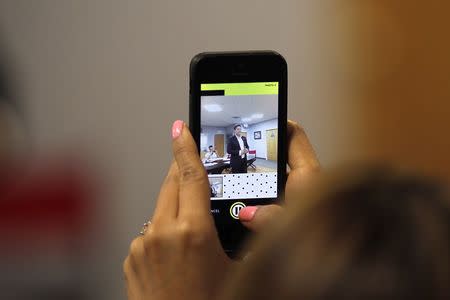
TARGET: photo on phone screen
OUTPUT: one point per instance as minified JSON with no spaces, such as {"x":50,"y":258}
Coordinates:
{"x":238,"y":139}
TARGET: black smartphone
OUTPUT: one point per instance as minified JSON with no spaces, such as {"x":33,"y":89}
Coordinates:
{"x":238,"y":117}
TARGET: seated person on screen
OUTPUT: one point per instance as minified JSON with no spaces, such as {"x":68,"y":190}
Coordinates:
{"x":211,"y":154}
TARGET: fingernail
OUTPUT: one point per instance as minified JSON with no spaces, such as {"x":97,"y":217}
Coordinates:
{"x":247,"y":213}
{"x":177,"y":127}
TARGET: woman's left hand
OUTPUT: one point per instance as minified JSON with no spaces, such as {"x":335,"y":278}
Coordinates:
{"x":179,"y":256}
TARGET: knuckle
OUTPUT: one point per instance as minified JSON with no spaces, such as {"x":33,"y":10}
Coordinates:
{"x":136,"y":249}
{"x":185,"y":229}
{"x":153,"y":241}
{"x":193,"y":234}
{"x":190,"y":168}
{"x":184,"y":151}
{"x":126,"y":266}
{"x":151,"y":237}
{"x":191,"y":173}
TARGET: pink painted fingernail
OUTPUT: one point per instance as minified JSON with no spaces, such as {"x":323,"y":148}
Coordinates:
{"x":247,"y":213}
{"x":177,"y":127}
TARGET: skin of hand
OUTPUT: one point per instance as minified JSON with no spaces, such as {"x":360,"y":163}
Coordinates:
{"x":303,"y":164}
{"x":180,"y":255}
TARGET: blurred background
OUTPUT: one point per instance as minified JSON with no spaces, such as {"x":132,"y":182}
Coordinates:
{"x":94,"y":86}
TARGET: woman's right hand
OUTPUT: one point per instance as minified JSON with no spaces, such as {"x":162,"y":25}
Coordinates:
{"x":303,"y":164}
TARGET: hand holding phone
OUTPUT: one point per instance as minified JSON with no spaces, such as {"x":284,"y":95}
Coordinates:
{"x":181,"y":238}
{"x":205,"y":263}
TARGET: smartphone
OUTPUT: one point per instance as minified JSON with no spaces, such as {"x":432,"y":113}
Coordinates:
{"x":238,"y":117}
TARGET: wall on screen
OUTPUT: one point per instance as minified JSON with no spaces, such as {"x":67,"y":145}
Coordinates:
{"x":260,"y":145}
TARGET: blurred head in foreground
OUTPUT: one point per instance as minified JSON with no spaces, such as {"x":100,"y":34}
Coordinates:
{"x":373,"y":234}
{"x":391,"y":59}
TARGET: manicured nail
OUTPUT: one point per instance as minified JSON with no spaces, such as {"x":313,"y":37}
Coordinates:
{"x":247,"y":213}
{"x":177,"y":127}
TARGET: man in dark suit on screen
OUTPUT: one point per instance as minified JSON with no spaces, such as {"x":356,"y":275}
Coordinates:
{"x":238,"y":148}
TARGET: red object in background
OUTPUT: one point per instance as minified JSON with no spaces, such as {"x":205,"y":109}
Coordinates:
{"x":52,"y":201}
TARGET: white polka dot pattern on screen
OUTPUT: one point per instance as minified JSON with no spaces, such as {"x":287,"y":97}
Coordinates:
{"x":249,"y":185}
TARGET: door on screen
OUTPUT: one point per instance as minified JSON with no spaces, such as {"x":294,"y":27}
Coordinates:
{"x":271,"y":140}
{"x":219,"y":144}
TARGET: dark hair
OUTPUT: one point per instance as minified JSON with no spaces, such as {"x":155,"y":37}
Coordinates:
{"x":373,"y":234}
{"x":236,"y":126}
{"x":210,"y":146}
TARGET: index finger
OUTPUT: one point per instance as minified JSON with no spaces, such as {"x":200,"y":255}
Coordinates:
{"x":194,"y":193}
{"x":301,"y":154}
{"x":167,"y":201}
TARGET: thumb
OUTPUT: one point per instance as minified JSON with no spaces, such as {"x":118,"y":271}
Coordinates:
{"x":256,"y":218}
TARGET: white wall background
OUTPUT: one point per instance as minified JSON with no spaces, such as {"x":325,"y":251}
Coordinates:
{"x":111,"y":76}
{"x":260,"y":145}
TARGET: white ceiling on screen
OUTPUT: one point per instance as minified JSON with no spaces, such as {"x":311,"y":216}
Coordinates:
{"x":249,"y":109}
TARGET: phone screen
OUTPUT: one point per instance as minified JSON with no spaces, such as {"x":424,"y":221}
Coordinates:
{"x":239,"y":144}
